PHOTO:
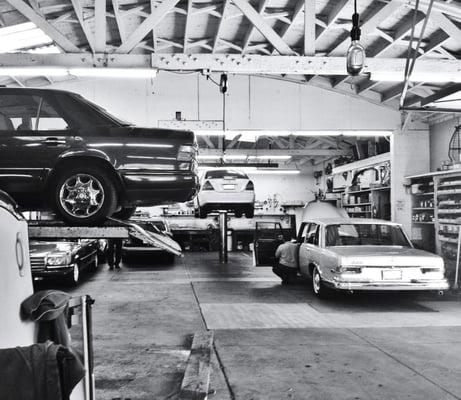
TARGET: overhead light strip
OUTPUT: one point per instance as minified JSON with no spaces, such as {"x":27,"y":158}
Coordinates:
{"x":259,"y":133}
{"x":80,"y":72}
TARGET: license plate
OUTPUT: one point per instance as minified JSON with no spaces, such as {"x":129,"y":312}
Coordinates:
{"x":392,"y":274}
{"x":228,"y":187}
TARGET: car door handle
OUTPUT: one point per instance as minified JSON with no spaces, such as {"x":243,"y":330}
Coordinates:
{"x":53,"y":141}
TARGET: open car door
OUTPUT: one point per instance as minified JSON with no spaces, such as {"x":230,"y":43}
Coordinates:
{"x":157,"y":239}
{"x":266,"y":242}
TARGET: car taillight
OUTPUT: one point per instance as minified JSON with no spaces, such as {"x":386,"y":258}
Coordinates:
{"x":250,"y":186}
{"x":186,"y":153}
{"x":207,"y":186}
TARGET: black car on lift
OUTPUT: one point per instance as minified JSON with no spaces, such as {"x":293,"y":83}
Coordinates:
{"x":60,"y":151}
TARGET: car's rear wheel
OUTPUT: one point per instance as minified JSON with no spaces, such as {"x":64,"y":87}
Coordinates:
{"x":318,"y":286}
{"x":84,"y":195}
{"x":125,"y":213}
{"x":250,"y":212}
{"x":238,"y":213}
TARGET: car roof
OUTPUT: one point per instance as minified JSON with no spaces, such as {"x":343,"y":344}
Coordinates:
{"x":360,"y":221}
{"x":32,"y":90}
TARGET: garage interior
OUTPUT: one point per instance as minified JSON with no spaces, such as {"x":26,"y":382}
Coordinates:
{"x":328,"y":111}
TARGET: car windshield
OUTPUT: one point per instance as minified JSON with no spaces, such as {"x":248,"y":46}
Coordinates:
{"x":365,"y":235}
{"x":223,"y":174}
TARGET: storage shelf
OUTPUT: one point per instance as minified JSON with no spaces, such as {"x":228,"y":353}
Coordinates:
{"x":368,"y":190}
{"x":448,"y":222}
{"x":449,"y":191}
{"x":449,"y":184}
{"x":357,"y":205}
{"x":423,"y":194}
{"x":447,"y":240}
{"x":423,"y":208}
{"x":448,"y":211}
{"x":423,"y":222}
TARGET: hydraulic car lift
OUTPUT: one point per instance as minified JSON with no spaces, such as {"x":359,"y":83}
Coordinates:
{"x":112,"y":229}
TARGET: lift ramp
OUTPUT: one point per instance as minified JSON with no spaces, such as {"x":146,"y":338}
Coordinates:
{"x":111,"y":229}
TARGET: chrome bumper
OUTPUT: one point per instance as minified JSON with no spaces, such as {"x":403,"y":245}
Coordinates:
{"x":391,"y":285}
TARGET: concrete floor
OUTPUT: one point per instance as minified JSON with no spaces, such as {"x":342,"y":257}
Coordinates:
{"x":271,"y":341}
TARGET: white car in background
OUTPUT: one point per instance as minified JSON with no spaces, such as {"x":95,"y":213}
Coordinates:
{"x":225,"y":189}
{"x":365,"y":254}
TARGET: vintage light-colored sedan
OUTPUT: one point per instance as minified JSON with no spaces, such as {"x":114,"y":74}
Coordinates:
{"x":365,"y":254}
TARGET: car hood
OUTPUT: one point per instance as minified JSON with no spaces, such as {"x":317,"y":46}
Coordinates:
{"x":37,"y":249}
{"x":385,"y":256}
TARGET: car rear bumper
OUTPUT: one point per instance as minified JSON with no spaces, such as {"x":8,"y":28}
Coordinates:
{"x":149,"y":188}
{"x":391,"y":286}
{"x":207,"y":197}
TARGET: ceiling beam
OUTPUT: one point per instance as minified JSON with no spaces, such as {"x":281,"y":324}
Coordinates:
{"x":83,"y":23}
{"x":186,"y":25}
{"x":100,"y":26}
{"x":249,"y":32}
{"x":261,"y":25}
{"x":369,"y":26}
{"x":119,"y":19}
{"x":441,"y":94}
{"x":309,"y":27}
{"x":275,"y":152}
{"x":446,"y":25}
{"x":446,"y":7}
{"x":146,"y":26}
{"x":434,"y":44}
{"x":45,"y":26}
{"x":333,"y":17}
{"x":220,"y":26}
{"x":261,"y":64}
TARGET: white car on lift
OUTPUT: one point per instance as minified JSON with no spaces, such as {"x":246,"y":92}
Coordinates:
{"x":225,"y":189}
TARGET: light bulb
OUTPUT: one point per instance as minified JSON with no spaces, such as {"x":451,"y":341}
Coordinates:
{"x":355,"y":58}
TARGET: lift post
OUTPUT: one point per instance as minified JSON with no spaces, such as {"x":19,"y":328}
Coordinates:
{"x":223,"y":250}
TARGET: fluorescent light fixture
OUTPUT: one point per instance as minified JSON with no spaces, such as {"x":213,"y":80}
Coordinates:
{"x":271,"y":157}
{"x":199,"y":157}
{"x":258,"y":133}
{"x":137,"y":73}
{"x":235,"y":157}
{"x":436,"y":77}
{"x":80,"y":72}
{"x":254,"y":170}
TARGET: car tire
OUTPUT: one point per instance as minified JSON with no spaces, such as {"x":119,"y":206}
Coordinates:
{"x":97,"y":188}
{"x":318,"y":287}
{"x":238,"y":213}
{"x":125,"y":213}
{"x":74,"y":277}
{"x":202,"y":213}
{"x":250,"y":212}
{"x":94,"y":265}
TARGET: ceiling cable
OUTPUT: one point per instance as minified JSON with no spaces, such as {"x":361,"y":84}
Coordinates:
{"x":409,"y":67}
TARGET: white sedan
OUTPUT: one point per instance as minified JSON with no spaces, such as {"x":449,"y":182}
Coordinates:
{"x":365,"y":254}
{"x":223,"y":189}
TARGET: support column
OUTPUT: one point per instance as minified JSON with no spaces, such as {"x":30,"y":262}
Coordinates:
{"x":223,"y":250}
{"x":409,"y":156}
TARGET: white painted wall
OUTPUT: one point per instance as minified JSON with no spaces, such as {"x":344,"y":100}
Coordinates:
{"x":252,"y":103}
{"x":440,"y":135}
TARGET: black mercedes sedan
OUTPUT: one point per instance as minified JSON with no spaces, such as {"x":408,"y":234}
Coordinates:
{"x":64,"y":260}
{"x":62,"y":152}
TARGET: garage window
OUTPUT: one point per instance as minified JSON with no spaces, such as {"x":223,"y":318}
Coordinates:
{"x":29,"y":113}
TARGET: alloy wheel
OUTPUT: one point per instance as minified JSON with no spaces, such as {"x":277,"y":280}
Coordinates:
{"x":81,"y":196}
